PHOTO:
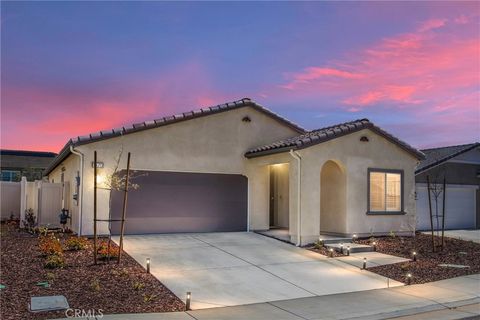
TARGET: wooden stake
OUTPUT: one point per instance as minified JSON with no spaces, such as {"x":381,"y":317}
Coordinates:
{"x":431,"y":214}
{"x":125,"y":194}
{"x":95,"y":207}
{"x":443,"y":210}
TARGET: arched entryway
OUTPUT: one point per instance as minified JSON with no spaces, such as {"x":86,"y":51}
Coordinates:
{"x":333,"y":200}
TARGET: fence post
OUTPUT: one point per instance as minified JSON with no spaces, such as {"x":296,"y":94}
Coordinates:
{"x":23,"y":199}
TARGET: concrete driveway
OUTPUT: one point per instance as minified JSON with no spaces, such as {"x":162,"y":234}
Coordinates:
{"x":236,"y":268}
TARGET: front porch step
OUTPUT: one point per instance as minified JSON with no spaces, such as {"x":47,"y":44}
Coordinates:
{"x":354,"y":247}
{"x":326,"y":239}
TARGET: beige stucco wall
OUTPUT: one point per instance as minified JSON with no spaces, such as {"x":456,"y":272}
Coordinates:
{"x":356,"y":157}
{"x":210,"y":144}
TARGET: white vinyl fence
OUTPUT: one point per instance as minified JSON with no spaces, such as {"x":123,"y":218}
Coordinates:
{"x":44,"y":198}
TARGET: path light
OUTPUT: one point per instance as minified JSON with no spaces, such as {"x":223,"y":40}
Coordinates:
{"x":348,"y":250}
{"x":354,"y":237}
{"x":330,"y":253}
{"x":187,"y":302}
{"x":341,"y":248}
{"x":414,"y":253}
{"x":374,"y":246}
{"x":364,"y":263}
{"x":148,"y":265}
{"x":409,"y":278}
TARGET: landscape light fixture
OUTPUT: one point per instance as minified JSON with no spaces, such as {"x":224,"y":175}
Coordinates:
{"x":341,"y":248}
{"x":330,"y":253}
{"x":348,"y":250}
{"x":148,"y":265}
{"x":409,"y":278}
{"x":414,"y":253}
{"x":364,"y":263}
{"x":374,"y":246}
{"x":187,"y":302}
{"x":354,"y":237}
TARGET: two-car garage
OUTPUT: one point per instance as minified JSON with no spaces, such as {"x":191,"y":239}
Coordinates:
{"x":169,"y":202}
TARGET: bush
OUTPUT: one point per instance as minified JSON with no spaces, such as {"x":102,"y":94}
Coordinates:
{"x":76,"y":243}
{"x":54,"y":261}
{"x":50,"y":246}
{"x":105,"y":251}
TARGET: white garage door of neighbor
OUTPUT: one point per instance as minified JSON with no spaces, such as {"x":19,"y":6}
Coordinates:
{"x":460,"y":208}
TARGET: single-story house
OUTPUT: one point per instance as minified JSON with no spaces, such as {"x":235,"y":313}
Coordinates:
{"x":240,"y":167}
{"x":460,"y":166}
{"x":16,"y":164}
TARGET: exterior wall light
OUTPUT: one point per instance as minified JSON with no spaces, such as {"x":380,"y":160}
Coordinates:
{"x":148,"y":265}
{"x":409,"y":278}
{"x":414,"y":253}
{"x":187,"y":302}
{"x":364,"y":263}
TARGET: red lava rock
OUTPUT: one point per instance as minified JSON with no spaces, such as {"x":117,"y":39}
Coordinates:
{"x":426,"y":268}
{"x":123,"y":288}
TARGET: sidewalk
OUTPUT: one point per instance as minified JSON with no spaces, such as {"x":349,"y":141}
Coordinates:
{"x":457,"y":298}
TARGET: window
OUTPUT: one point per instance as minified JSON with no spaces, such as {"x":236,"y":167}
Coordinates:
{"x":10,"y":175}
{"x":385,"y":191}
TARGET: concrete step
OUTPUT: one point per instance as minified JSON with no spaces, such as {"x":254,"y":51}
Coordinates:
{"x":326,"y":239}
{"x":354,"y":247}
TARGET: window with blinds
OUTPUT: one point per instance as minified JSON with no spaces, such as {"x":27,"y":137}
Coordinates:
{"x":385,"y":191}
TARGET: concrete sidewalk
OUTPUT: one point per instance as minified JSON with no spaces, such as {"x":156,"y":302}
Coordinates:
{"x":457,"y":298}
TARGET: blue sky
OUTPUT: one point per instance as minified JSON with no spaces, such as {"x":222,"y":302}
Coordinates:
{"x":69,"y":68}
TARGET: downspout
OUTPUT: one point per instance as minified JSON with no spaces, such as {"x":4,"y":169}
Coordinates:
{"x":80,"y":190}
{"x":297,"y":157}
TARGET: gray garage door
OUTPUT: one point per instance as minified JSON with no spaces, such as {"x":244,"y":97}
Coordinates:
{"x":168,"y":202}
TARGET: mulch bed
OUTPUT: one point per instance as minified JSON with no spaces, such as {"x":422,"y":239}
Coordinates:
{"x":324,"y":251}
{"x":426,"y":268}
{"x":124,"y":288}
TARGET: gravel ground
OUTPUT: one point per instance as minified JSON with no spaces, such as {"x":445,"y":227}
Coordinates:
{"x":124,"y":288}
{"x":426,"y":268}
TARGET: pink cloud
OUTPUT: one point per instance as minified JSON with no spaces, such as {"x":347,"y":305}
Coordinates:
{"x":315,"y":73}
{"x":432,"y":24}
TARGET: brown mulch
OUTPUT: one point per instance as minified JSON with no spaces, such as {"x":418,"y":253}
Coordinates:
{"x":426,"y":268}
{"x":324,"y":251}
{"x":124,"y":288}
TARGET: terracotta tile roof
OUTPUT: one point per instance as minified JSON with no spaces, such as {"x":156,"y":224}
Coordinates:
{"x":328,"y":133}
{"x":436,"y":156}
{"x":106,"y":134}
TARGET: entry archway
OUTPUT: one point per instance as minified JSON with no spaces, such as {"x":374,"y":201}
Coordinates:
{"x":333,"y":198}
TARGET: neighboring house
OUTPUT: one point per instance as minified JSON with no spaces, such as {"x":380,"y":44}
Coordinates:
{"x":240,"y":167}
{"x":460,"y":165}
{"x":18,"y":163}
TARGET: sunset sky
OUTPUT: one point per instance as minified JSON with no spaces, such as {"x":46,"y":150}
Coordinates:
{"x":71,"y":68}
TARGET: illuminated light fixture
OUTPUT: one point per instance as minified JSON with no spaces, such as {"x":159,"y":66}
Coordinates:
{"x":354,"y":237}
{"x":374,"y":246}
{"x":330,"y":253}
{"x":100,"y":179}
{"x":414,"y":253}
{"x":409,"y":278}
{"x":364,"y":263}
{"x":187,"y":302}
{"x":348,"y":250}
{"x":341,"y":248}
{"x":148,"y":265}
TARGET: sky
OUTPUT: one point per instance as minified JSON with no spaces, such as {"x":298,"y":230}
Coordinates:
{"x":72,"y":68}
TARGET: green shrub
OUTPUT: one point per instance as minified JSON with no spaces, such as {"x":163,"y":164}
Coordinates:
{"x":54,"y":261}
{"x":76,"y":243}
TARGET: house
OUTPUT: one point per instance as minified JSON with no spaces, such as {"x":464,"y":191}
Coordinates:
{"x":21,"y":163}
{"x":460,"y":166}
{"x":240,"y":167}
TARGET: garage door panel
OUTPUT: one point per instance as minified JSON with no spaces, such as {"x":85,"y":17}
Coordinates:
{"x":169,"y":202}
{"x":460,"y":208}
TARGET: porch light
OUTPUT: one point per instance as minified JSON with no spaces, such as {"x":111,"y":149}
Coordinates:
{"x":409,"y":278}
{"x":148,"y":265}
{"x":100,"y":179}
{"x":374,"y":246}
{"x":364,"y":263}
{"x":187,"y":302}
{"x":414,"y":253}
